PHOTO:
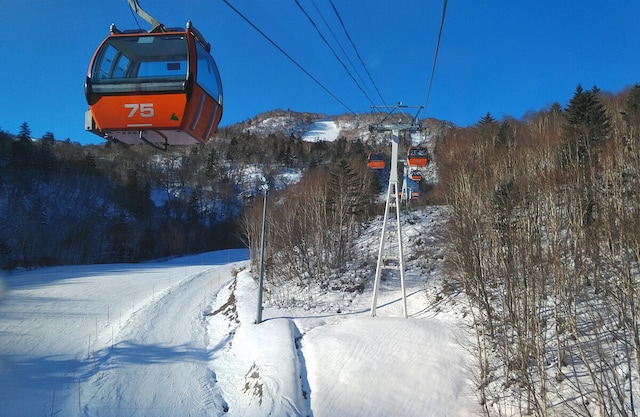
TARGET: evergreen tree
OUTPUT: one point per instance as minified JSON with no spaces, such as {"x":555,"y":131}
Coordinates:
{"x":555,"y":108}
{"x":505,"y":135}
{"x":487,"y":120}
{"x":22,"y":152}
{"x":487,"y":129}
{"x":25,"y":131}
{"x":48,"y":136}
{"x":587,"y":123}
{"x":586,"y":130}
{"x":357,"y":149}
{"x":6,"y":141}
{"x":632,"y":104}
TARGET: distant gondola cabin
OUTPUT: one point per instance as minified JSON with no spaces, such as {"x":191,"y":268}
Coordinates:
{"x":375,"y":160}
{"x":416,"y":175}
{"x":417,"y":156}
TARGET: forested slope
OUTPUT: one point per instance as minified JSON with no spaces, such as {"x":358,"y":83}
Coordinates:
{"x":546,"y":246}
{"x":63,"y":203}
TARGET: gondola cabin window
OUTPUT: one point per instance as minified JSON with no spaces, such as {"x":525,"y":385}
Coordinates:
{"x":112,"y":65}
{"x":208,"y":75}
{"x":142,"y":58}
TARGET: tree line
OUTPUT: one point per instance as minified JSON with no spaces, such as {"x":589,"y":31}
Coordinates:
{"x":63,"y":203}
{"x":545,"y":242}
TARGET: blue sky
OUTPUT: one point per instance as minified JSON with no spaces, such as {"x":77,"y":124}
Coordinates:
{"x":500,"y":56}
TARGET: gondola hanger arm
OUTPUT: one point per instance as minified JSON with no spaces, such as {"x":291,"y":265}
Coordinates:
{"x":156,"y":25}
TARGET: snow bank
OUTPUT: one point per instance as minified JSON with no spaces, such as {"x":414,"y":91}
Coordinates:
{"x":376,"y":366}
{"x":256,"y":366}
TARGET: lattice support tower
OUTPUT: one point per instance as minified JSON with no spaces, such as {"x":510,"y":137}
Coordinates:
{"x":393,"y":200}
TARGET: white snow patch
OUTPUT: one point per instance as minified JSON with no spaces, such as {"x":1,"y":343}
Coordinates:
{"x":322,"y":131}
{"x":392,"y":366}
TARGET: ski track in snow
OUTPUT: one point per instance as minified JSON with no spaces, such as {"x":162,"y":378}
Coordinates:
{"x":177,"y":367}
{"x":109,"y":339}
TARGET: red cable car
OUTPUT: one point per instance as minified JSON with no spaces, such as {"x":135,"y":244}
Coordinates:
{"x":375,"y":160}
{"x":160,"y":87}
{"x":416,"y":175}
{"x":418,"y":156}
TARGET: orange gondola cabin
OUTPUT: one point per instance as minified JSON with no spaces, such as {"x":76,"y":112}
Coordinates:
{"x":417,"y":156}
{"x":375,"y":160}
{"x":161,"y":87}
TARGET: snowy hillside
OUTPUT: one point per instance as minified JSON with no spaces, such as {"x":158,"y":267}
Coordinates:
{"x":315,"y":127}
{"x":178,"y":338}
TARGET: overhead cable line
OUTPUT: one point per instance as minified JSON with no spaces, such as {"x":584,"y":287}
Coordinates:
{"x":286,"y":54}
{"x":335,"y":10}
{"x":313,"y":23}
{"x":135,"y":17}
{"x":435,"y":55}
{"x":339,"y":43}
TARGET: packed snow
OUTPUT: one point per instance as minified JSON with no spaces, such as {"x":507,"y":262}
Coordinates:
{"x":178,"y":337}
{"x":322,"y":131}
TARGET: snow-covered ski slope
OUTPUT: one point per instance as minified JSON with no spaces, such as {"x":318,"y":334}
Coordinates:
{"x":177,"y":338}
{"x":322,"y":131}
